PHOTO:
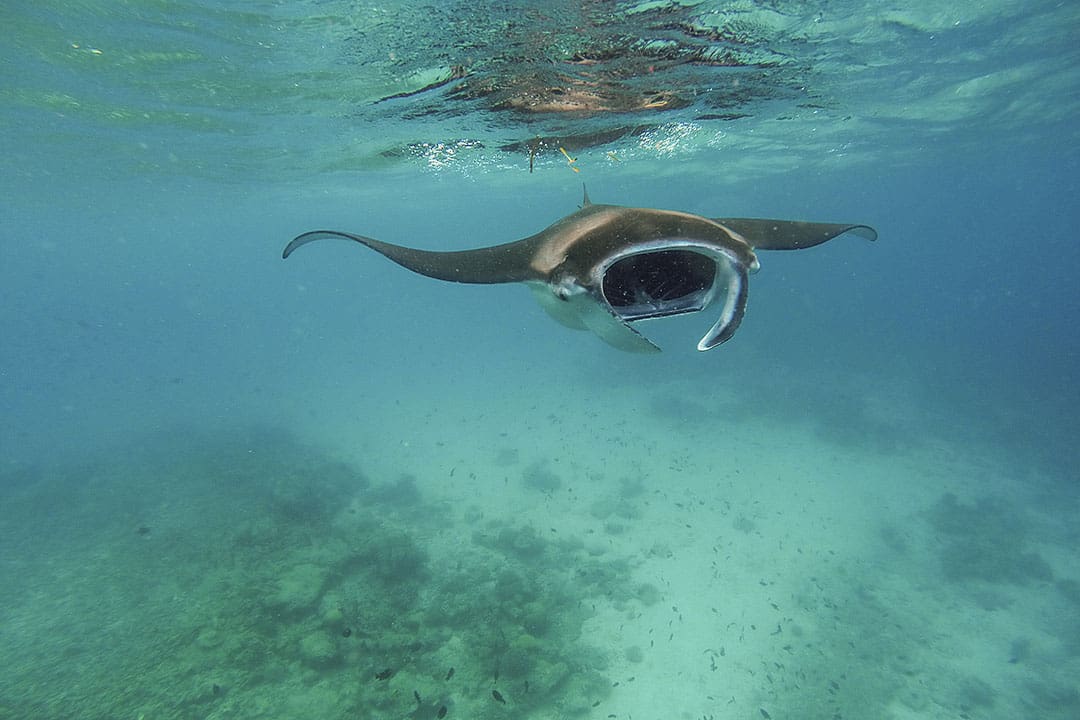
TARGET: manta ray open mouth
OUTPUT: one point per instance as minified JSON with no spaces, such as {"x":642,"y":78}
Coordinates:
{"x":659,"y":284}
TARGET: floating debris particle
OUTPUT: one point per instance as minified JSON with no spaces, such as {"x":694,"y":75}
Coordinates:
{"x":534,"y":147}
{"x":570,"y":160}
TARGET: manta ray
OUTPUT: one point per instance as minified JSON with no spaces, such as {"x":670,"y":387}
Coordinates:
{"x":607,"y":266}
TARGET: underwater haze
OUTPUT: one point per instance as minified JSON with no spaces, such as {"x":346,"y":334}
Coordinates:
{"x":236,"y":486}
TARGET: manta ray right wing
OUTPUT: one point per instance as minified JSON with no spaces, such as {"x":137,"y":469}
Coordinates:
{"x":765,"y":234}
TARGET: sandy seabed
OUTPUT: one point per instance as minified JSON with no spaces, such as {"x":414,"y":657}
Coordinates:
{"x":668,"y":553}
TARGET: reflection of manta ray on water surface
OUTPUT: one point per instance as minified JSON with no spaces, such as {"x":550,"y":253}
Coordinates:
{"x":605,"y":266}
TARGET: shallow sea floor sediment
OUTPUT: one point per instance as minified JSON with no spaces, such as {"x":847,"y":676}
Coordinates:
{"x":602,"y":567}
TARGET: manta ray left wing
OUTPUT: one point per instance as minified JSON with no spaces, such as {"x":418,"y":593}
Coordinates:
{"x":498,"y":264}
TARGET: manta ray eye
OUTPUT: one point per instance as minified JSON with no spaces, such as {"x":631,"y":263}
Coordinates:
{"x":661,"y":283}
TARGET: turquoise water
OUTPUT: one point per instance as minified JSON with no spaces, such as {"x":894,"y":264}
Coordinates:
{"x":233,"y":486}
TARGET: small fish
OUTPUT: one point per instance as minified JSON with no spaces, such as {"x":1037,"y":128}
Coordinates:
{"x":385,"y":674}
{"x":765,"y":714}
{"x":498,"y":696}
{"x":416,"y":694}
{"x":442,"y":712}
{"x":450,"y":673}
{"x":346,"y":632}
